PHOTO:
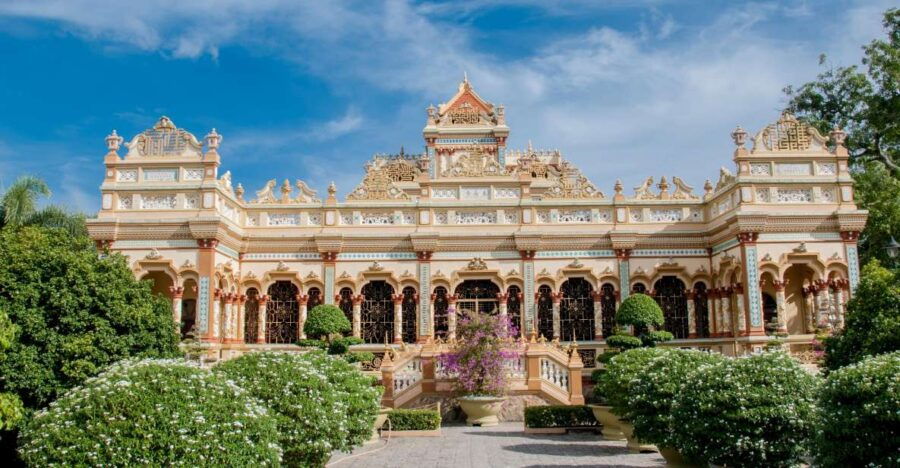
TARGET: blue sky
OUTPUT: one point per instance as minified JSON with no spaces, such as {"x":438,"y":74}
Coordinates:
{"x":310,"y":90}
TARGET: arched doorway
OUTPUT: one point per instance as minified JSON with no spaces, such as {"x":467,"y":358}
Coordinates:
{"x":514,"y":310}
{"x":160,"y":283}
{"x":576,"y":310}
{"x":797,"y":311}
{"x":770,"y":312}
{"x":701,"y":309}
{"x":251,"y":316}
{"x":345,"y":303}
{"x":545,"y":311}
{"x":639,"y":288}
{"x":478,"y":296}
{"x":408,"y":314}
{"x":669,"y":293}
{"x":282,"y":313}
{"x":377,"y":317}
{"x":441,"y":317}
{"x":315,"y":297}
{"x":189,"y":308}
{"x":608,"y":308}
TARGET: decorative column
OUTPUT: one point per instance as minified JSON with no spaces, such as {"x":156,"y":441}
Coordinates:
{"x":227,"y":321}
{"x":692,"y":314}
{"x":217,"y":296}
{"x":850,"y":248}
{"x":809,"y":302}
{"x":822,"y":304}
{"x":623,"y":256}
{"x":712,"y":300}
{"x":239,"y":317}
{"x":837,"y":302}
{"x":502,"y":299}
{"x":302,"y":301}
{"x":177,"y":293}
{"x":598,"y":315}
{"x":357,"y":315}
{"x":328,"y":263}
{"x":206,"y":314}
{"x":740,"y":312}
{"x":752,"y":301}
{"x":261,"y":320}
{"x":727,"y":329}
{"x":398,"y":318}
{"x":426,"y":298}
{"x":845,"y":295}
{"x":529,"y":312}
{"x":557,"y":298}
{"x":451,"y":317}
{"x":779,"y":306}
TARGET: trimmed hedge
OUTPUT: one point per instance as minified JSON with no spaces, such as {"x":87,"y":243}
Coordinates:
{"x":859,"y":421}
{"x":342,"y":345}
{"x":413,"y":420}
{"x":359,"y":356}
{"x":559,"y":416}
{"x":312,"y":343}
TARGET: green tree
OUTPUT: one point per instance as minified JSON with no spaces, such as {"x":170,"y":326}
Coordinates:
{"x":19,"y":207}
{"x":11,"y":411}
{"x":324,"y":321}
{"x":866,"y":104}
{"x":75,"y":313}
{"x":641,"y":312}
{"x":873,"y":319}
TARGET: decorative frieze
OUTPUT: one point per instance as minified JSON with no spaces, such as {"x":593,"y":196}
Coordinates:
{"x":377,"y":219}
{"x":126,"y":175}
{"x":637,"y":215}
{"x":763,"y":195}
{"x":314,"y":219}
{"x":193,"y":174}
{"x":444,"y":193}
{"x":666,"y":216}
{"x":191,"y":201}
{"x":475,"y":193}
{"x":574,"y":216}
{"x":476,"y":217}
{"x":788,"y":195}
{"x":284,"y":219}
{"x":543,"y":216}
{"x":440,"y":217}
{"x":504,"y":192}
{"x":511,"y":217}
{"x":158,"y":202}
{"x":826,"y":169}
{"x":760,"y":169}
{"x":160,"y":175}
{"x":828,"y":195}
{"x":793,"y":169}
{"x":346,"y":219}
{"x":125,"y":201}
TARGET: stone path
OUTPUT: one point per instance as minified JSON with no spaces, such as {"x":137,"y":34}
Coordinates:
{"x":505,"y":445}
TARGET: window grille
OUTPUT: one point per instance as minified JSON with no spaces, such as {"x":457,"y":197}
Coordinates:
{"x":608,"y":308}
{"x":251,"y":316}
{"x":701,"y":309}
{"x":545,"y":312}
{"x":441,"y":321}
{"x":282,"y":312}
{"x":409,"y":314}
{"x":576,"y":311}
{"x":514,"y":309}
{"x":669,"y":293}
{"x":478,"y":296}
{"x":377,"y":317}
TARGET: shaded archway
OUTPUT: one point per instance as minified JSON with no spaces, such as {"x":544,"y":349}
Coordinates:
{"x":408,"y":314}
{"x":251,"y":316}
{"x":478,"y":296}
{"x":514,"y":309}
{"x":315,"y":297}
{"x":282,"y":313}
{"x":608,"y":308}
{"x":441,"y":317}
{"x":770,"y":312}
{"x":701,"y":309}
{"x":669,"y":294}
{"x":576,"y":310}
{"x":189,"y":308}
{"x":346,"y":303}
{"x":377,"y":315}
{"x":160,"y":283}
{"x":545,"y":311}
{"x":796,"y":309}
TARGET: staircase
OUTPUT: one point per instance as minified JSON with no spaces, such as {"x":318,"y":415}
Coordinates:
{"x":539,"y":368}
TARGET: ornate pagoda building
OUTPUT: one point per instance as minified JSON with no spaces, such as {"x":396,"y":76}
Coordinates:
{"x":470,"y":224}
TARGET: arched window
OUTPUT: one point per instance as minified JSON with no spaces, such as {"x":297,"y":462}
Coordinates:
{"x":189,"y":309}
{"x":639,"y":288}
{"x":409,"y":314}
{"x":576,"y":310}
{"x":770,"y":311}
{"x":669,"y":293}
{"x":315,"y":298}
{"x":377,"y":318}
{"x":346,"y":302}
{"x":251,"y":316}
{"x":701,"y":309}
{"x":514,"y":310}
{"x":282,"y":312}
{"x":608,"y":308}
{"x":545,"y":312}
{"x":441,"y":320}
{"x":478,"y":296}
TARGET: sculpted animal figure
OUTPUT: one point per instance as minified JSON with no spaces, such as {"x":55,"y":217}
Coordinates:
{"x":642,"y":192}
{"x":267,"y":194}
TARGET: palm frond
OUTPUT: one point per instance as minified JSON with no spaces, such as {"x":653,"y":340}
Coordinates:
{"x":55,"y":217}
{"x":20,"y":200}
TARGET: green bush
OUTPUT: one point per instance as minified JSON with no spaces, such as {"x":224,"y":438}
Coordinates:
{"x":312,"y":343}
{"x":596,"y":375}
{"x":873,"y":319}
{"x":749,"y":411}
{"x":342,"y":345}
{"x":650,"y":339}
{"x":359,"y":356}
{"x":152,"y":413}
{"x":613,"y":387}
{"x":413,"y":420}
{"x":321,"y":403}
{"x":640,"y":311}
{"x":623,"y":342}
{"x":859,"y":421}
{"x":649,"y":401}
{"x":559,"y":416}
{"x":75,"y":313}
{"x":325,"y":320}
{"x":607,"y":356}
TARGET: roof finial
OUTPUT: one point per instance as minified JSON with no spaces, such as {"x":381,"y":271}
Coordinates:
{"x":530,"y":148}
{"x":465,"y":77}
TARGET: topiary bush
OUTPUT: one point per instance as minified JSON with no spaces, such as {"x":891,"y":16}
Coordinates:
{"x":312,"y":343}
{"x":613,"y":387}
{"x":859,"y":422}
{"x":321,"y":403}
{"x":413,"y":420}
{"x":623,"y":342}
{"x":342,"y":345}
{"x":559,"y":416}
{"x":152,"y":413}
{"x":749,"y":411}
{"x":650,"y":339}
{"x":640,"y":311}
{"x":651,"y":393}
{"x":325,"y":320}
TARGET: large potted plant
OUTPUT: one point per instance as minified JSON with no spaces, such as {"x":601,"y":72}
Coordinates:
{"x":479,"y":361}
{"x":601,"y":407}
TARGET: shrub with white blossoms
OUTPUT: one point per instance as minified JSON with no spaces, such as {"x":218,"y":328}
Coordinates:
{"x":613,"y":385}
{"x":859,"y":414}
{"x":321,"y":402}
{"x":748,"y":411}
{"x":652,"y":392}
{"x":152,"y":412}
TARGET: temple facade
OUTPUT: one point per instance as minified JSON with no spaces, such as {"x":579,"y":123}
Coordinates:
{"x":470,"y":224}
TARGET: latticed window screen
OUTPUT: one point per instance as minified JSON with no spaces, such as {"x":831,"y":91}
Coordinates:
{"x":576,"y":310}
{"x":346,"y":303}
{"x":545,"y":312}
{"x":514,"y":309}
{"x":608,"y":308}
{"x":251,"y":316}
{"x":282,"y":312}
{"x":670,"y":296}
{"x":441,"y":320}
{"x":639,"y":288}
{"x":478,"y":296}
{"x":701,"y":309}
{"x":377,"y":318}
{"x":315,"y":298}
{"x":409,"y":314}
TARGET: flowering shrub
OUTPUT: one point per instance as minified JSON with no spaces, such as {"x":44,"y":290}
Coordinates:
{"x":152,"y":413}
{"x":749,"y":411}
{"x":613,"y":387}
{"x":651,"y":393}
{"x":481,"y":352}
{"x":320,"y":402}
{"x":325,"y":320}
{"x":859,"y":422}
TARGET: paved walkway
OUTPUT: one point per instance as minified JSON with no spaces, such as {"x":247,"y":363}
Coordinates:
{"x":502,"y":446}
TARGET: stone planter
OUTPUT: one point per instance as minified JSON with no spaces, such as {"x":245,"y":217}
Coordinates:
{"x":481,"y":411}
{"x":633,"y":444}
{"x":380,"y":419}
{"x":674,"y":458}
{"x":609,"y":421}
